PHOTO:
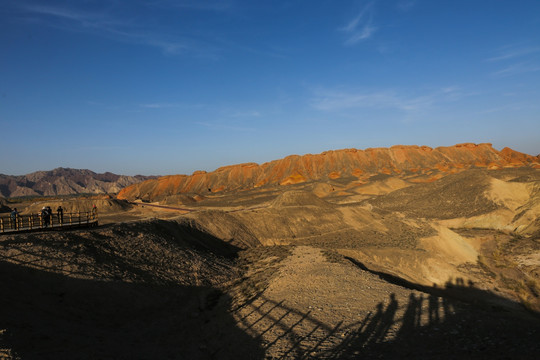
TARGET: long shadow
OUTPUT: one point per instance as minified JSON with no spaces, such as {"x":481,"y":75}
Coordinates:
{"x":460,"y":291}
{"x":50,"y":316}
{"x":115,"y":247}
{"x":46,"y":315}
{"x":48,"y":311}
{"x":456,"y":331}
{"x":424,"y":326}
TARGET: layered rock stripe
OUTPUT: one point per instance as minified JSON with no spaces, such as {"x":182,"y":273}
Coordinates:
{"x":347,"y":163}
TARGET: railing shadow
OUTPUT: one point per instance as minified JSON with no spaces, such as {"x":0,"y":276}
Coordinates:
{"x":45,"y":315}
{"x":117,"y":293}
{"x":48,"y":311}
{"x":103,"y":251}
{"x":426,"y":325}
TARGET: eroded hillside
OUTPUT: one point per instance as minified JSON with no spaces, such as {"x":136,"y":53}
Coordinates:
{"x":65,"y":181}
{"x":350,"y":165}
{"x":392,"y":266}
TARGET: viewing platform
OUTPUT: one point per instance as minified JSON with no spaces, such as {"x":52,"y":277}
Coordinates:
{"x":37,"y":222}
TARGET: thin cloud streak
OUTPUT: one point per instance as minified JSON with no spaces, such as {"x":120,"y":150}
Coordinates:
{"x":361,"y":27}
{"x":217,"y":6}
{"x":109,"y":27}
{"x":406,"y":5}
{"x":516,"y":69}
{"x":170,"y":105}
{"x":331,"y":100}
{"x":244,"y":114}
{"x":222,"y":127}
{"x":511,"y":52}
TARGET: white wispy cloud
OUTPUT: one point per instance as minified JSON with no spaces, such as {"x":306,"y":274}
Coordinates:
{"x":245,"y":114}
{"x":406,"y":5}
{"x":105,"y":25}
{"x":361,"y":27}
{"x":518,"y":59}
{"x":337,"y":100}
{"x":513,"y":107}
{"x":221,"y":126}
{"x":514,"y":51}
{"x":515,"y":69}
{"x":171,"y":105}
{"x":194,"y":4}
{"x":57,"y":12}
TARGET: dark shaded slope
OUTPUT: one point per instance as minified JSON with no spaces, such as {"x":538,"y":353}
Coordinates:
{"x":51,"y":316}
{"x":137,"y":290}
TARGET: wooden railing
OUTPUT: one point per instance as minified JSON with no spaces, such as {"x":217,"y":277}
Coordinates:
{"x":54,"y":221}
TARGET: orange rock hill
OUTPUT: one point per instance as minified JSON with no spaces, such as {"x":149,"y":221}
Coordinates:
{"x":336,"y":164}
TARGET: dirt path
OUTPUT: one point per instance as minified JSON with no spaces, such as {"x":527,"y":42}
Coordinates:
{"x":305,"y":311}
{"x":316,"y":308}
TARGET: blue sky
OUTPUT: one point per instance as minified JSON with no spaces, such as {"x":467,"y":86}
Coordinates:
{"x":170,"y":87}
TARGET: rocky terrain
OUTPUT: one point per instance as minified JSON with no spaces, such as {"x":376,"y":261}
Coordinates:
{"x":349,"y":165}
{"x":439,"y":263}
{"x":62,"y":181}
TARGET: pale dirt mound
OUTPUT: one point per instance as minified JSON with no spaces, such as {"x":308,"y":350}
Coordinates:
{"x":82,"y":205}
{"x":509,"y":194}
{"x":323,"y":189}
{"x":527,"y":219}
{"x":298,"y":198}
{"x":518,"y":208}
{"x":381,"y":187}
{"x":454,"y":196}
{"x":436,"y":260}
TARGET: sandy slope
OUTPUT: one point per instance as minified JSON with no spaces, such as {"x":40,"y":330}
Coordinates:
{"x":408,"y":274}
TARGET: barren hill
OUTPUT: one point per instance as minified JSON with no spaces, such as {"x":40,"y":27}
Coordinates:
{"x":65,"y":181}
{"x":417,"y":264}
{"x":340,"y":165}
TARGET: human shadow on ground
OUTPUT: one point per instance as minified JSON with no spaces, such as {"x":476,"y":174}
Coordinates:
{"x":456,"y":321}
{"x":438,"y":328}
{"x":48,"y":315}
{"x":426,"y":326}
{"x":456,"y":289}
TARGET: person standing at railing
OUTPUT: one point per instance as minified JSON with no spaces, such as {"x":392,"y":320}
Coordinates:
{"x":14,"y":217}
{"x":60,"y":213}
{"x":49,"y":212}
{"x":46,"y":216}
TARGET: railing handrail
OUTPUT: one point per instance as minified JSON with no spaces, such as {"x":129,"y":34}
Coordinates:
{"x":37,"y":221}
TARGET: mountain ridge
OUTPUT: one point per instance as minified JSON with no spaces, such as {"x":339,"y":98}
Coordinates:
{"x":332,"y":165}
{"x":65,"y":181}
